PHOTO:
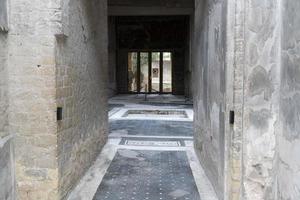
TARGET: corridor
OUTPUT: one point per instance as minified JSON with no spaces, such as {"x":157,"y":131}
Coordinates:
{"x":149,"y":99}
{"x":149,"y":154}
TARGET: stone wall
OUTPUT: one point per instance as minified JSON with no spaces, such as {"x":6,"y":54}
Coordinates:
{"x":32,"y":102}
{"x":210,"y":88}
{"x":150,"y":8}
{"x":235,"y":61}
{"x":7,"y":179}
{"x":261,"y":97}
{"x":3,"y":86}
{"x":153,"y":3}
{"x":47,"y":69}
{"x":7,"y":183}
{"x":81,"y":73}
{"x":288,"y":169}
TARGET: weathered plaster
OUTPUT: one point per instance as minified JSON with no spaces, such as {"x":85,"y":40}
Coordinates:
{"x":7,"y":170}
{"x":209,"y":88}
{"x":153,"y":3}
{"x":235,"y":99}
{"x":3,"y":86}
{"x":288,"y":140}
{"x":153,"y":7}
{"x":3,"y":15}
{"x":261,"y":97}
{"x":7,"y":176}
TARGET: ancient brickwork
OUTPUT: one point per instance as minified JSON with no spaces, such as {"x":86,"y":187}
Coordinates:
{"x":32,"y":103}
{"x":40,"y":81}
{"x":81,"y":73}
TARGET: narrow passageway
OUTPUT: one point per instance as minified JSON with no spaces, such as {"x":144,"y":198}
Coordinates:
{"x":149,"y":154}
{"x":149,"y":99}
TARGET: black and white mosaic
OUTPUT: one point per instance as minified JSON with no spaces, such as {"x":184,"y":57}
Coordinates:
{"x":152,"y":127}
{"x":158,"y":142}
{"x":148,"y":175}
{"x":112,"y":106}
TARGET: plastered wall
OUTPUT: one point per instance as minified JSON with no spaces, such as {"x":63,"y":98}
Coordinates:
{"x":261,"y":97}
{"x":3,"y":85}
{"x":3,"y":15}
{"x":210,"y":88}
{"x":7,"y":182}
{"x":7,"y":176}
{"x":288,"y":141}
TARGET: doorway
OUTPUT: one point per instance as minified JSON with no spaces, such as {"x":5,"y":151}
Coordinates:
{"x":150,"y":72}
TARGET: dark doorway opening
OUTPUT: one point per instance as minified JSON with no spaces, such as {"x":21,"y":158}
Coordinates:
{"x":159,"y":51}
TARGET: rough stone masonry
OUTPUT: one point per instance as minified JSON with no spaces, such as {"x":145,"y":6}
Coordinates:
{"x":42,"y":67}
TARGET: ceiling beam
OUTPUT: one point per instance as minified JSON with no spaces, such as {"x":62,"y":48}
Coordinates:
{"x":147,"y":11}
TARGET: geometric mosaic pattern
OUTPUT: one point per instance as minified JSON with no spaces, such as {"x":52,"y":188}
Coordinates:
{"x":148,"y":175}
{"x":155,"y":142}
{"x":152,"y":127}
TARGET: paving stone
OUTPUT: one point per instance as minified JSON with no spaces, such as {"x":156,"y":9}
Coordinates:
{"x":148,"y":175}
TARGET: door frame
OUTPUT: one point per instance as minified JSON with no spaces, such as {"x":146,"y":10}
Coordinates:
{"x":150,"y":51}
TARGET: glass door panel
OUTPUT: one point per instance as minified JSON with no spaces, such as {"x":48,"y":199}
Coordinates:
{"x":150,"y":72}
{"x":167,"y":72}
{"x":144,"y":74}
{"x":132,"y":72}
{"x":155,"y":72}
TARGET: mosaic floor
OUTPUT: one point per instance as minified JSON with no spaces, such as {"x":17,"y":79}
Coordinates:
{"x":160,"y":142}
{"x":145,"y":175}
{"x":152,"y":127}
{"x":146,"y":159}
{"x":112,"y":106}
